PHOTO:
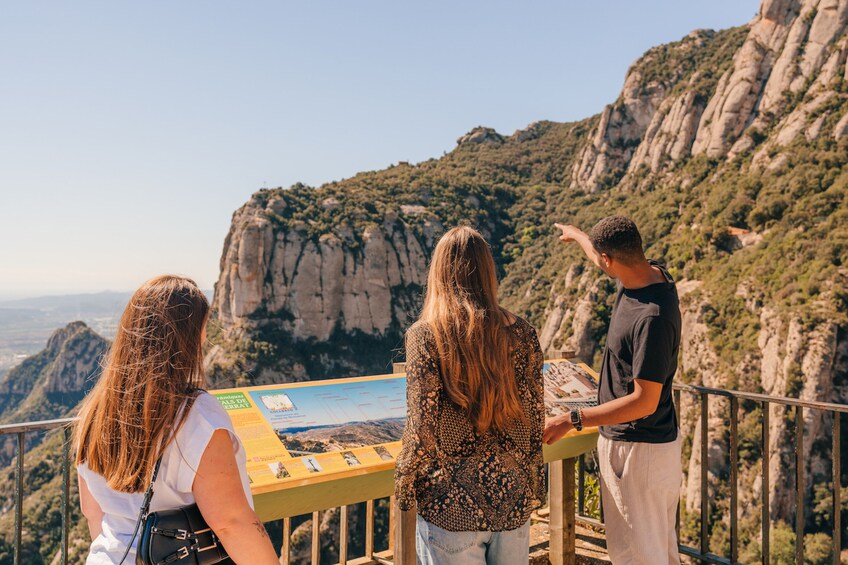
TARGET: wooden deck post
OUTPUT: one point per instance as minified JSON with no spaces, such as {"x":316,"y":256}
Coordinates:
{"x":561,"y":548}
{"x":404,"y":536}
{"x":285,"y":550}
{"x":316,"y":539}
{"x":369,"y":529}
{"x":343,"y":535}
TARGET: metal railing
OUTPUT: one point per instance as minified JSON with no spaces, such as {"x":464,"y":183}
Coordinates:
{"x":20,"y":431}
{"x":400,"y":536}
{"x":703,"y":553}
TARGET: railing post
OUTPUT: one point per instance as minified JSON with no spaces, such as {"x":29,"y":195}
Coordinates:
{"x":705,"y":454}
{"x":285,"y":550}
{"x":677,"y":411}
{"x":66,"y":494}
{"x":734,"y":479}
{"x":343,"y":535}
{"x":581,"y":484}
{"x":404,"y":546}
{"x":316,"y":538}
{"x":799,"y":484}
{"x":836,"y":453}
{"x":766,"y":519}
{"x":393,"y":508}
{"x":369,"y":529}
{"x":561,"y":545}
{"x":19,"y":501}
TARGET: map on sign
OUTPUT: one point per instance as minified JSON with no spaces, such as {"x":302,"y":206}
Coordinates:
{"x":298,"y":431}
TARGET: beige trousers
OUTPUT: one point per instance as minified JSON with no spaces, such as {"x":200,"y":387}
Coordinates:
{"x":640,"y":488}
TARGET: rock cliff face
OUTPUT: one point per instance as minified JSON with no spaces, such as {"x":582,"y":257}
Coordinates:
{"x":656,"y":119}
{"x":787,"y":65}
{"x":698,"y":357}
{"x":569,"y":322}
{"x":320,"y":285}
{"x":793,"y":358}
{"x":350,"y":281}
{"x":799,"y":360}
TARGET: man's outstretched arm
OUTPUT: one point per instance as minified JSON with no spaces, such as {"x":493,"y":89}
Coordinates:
{"x":572,"y":234}
{"x":643,"y":401}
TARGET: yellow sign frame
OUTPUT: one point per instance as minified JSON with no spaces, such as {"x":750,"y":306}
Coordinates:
{"x":335,"y":486}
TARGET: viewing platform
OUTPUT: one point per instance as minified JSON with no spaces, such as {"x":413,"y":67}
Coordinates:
{"x":354,"y":520}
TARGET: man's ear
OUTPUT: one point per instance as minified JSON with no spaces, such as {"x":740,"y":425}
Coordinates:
{"x":606,"y":263}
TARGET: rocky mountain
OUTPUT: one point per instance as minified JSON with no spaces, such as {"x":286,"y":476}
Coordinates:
{"x":45,"y":386}
{"x":729,"y":150}
{"x":50,"y":383}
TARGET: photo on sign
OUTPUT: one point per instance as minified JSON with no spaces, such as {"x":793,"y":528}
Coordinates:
{"x":350,"y":458}
{"x":279,"y":470}
{"x":277,"y":402}
{"x":383,"y":453}
{"x":312,"y":465}
{"x":567,"y":387}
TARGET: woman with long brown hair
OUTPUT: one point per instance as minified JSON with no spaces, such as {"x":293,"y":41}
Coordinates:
{"x":472,"y":448}
{"x":149,"y":404}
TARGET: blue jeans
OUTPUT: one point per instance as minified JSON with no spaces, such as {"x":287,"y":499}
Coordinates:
{"x":436,"y":546}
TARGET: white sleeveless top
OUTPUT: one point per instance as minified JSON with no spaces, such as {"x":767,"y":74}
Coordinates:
{"x":173,"y":485}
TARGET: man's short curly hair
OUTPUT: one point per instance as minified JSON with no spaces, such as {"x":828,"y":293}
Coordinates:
{"x":618,"y":237}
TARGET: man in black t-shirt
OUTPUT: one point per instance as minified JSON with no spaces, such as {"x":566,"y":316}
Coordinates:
{"x":639,"y":448}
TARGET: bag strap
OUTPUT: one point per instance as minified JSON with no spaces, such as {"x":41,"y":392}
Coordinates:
{"x":145,"y":508}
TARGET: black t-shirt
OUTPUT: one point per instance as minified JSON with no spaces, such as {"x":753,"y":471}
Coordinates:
{"x":642,"y":343}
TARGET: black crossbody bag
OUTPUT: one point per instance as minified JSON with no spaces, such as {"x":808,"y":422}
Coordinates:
{"x":179,"y":536}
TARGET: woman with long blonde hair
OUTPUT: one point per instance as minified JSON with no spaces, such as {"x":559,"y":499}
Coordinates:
{"x":472,"y":449}
{"x":149,"y":404}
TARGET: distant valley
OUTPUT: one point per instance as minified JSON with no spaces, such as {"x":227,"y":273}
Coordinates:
{"x":26,"y":324}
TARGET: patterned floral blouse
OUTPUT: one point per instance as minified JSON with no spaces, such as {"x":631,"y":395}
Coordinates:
{"x":459,"y":479}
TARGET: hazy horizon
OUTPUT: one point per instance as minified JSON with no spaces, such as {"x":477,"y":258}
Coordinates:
{"x":134,"y":133}
{"x":7,"y":298}
{"x":14,"y":297}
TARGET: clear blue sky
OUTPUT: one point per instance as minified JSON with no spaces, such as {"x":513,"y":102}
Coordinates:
{"x":132,"y":131}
